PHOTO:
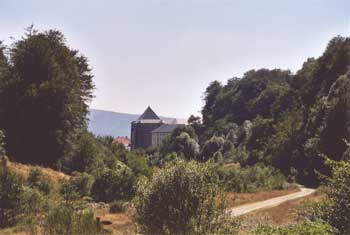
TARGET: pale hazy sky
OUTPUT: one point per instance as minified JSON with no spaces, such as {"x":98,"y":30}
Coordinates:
{"x":165,"y":53}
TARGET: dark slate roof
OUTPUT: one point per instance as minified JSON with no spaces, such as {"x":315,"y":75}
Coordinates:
{"x":149,"y":114}
{"x":165,"y":128}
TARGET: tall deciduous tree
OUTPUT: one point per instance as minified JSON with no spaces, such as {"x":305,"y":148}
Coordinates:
{"x":46,"y":98}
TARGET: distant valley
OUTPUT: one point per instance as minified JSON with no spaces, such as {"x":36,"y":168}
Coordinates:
{"x":102,"y":122}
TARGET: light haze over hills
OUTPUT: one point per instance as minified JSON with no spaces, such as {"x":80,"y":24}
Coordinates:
{"x":111,"y":123}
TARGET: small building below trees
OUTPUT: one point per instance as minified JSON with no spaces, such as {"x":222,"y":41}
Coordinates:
{"x":124,"y":140}
{"x":149,"y":130}
{"x":159,"y":133}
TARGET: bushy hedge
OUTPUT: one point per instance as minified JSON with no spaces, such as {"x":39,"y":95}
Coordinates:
{"x":78,"y":186}
{"x":305,"y":228}
{"x":250,"y":179}
{"x":182,"y":198}
{"x":65,"y":220}
{"x":37,"y":179}
{"x":335,"y":209}
{"x":114,"y":184}
{"x":2,"y":144}
{"x":10,"y":192}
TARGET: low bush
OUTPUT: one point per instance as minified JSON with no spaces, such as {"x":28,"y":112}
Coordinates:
{"x":32,"y":205}
{"x":31,"y":201}
{"x":65,"y":220}
{"x":88,"y":152}
{"x":335,"y":209}
{"x":37,"y":179}
{"x":250,"y":179}
{"x":118,"y":207}
{"x":2,"y":144}
{"x":313,"y":211}
{"x":182,"y":198}
{"x":114,"y":184}
{"x":138,"y":164}
{"x":78,"y":186}
{"x":10,"y":193}
{"x":305,"y":228}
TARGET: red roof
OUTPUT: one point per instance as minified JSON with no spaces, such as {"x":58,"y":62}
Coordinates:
{"x":122,"y":140}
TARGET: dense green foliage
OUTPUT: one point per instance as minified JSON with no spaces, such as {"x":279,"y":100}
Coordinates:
{"x":65,"y":220}
{"x":335,"y":209}
{"x":43,"y":97}
{"x":2,"y":144}
{"x":305,"y":228}
{"x":37,"y":179}
{"x":78,"y":186}
{"x":114,"y":184}
{"x":24,"y":203}
{"x":294,"y":118}
{"x":182,"y":198}
{"x":250,"y":179}
{"x":10,"y":192}
{"x":338,"y":210}
{"x":183,"y":141}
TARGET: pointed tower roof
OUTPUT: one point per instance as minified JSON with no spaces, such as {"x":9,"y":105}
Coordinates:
{"x":149,"y":114}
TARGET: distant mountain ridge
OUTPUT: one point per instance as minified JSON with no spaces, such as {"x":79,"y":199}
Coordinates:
{"x":102,"y":122}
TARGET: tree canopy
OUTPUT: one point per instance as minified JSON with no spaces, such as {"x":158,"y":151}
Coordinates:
{"x":44,"y":97}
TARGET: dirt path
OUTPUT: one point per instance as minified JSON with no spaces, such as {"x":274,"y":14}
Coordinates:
{"x":244,"y":209}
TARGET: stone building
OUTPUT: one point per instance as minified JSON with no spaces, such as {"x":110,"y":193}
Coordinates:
{"x":149,"y":130}
{"x":141,"y":129}
{"x":159,"y":133}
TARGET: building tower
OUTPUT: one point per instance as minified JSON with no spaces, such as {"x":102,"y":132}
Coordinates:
{"x":141,"y":129}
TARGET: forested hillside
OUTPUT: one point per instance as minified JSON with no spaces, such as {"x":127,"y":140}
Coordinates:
{"x":293,"y":120}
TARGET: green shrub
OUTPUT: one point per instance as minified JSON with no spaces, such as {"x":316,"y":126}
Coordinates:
{"x":65,"y":220}
{"x":183,"y":141}
{"x":89,"y":153}
{"x":31,"y":201}
{"x":118,"y":206}
{"x":37,"y":179}
{"x":182,"y":198}
{"x":10,"y":188}
{"x":116,"y":184}
{"x":10,"y":193}
{"x":2,"y":144}
{"x":4,"y":161}
{"x":69,"y":192}
{"x":337,"y":210}
{"x":314,"y":210}
{"x":305,"y":228}
{"x":78,"y":186}
{"x":250,"y":179}
{"x":138,"y":164}
{"x":32,"y":204}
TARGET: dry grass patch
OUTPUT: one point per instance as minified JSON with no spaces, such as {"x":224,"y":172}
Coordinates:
{"x":12,"y":231}
{"x":23,"y":170}
{"x":117,"y":223}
